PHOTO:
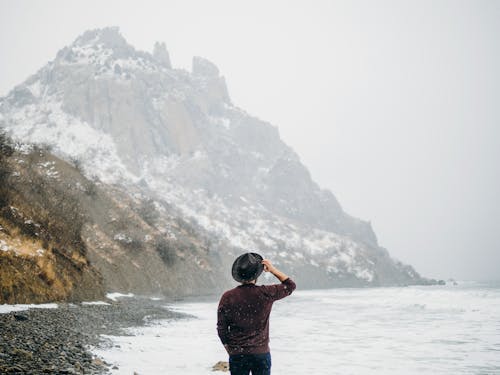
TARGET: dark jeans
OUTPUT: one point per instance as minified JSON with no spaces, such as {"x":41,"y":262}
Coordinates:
{"x":242,"y":364}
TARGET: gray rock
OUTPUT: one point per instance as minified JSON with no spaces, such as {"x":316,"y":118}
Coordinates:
{"x":21,"y":317}
{"x":161,"y":55}
{"x":204,"y":67}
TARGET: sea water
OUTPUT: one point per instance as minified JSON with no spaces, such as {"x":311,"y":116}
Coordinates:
{"x":410,"y":330}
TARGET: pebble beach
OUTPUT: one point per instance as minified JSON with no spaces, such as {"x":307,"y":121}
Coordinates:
{"x":58,"y":338}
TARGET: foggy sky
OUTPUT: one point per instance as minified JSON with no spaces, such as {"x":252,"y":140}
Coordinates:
{"x":393,"y":105}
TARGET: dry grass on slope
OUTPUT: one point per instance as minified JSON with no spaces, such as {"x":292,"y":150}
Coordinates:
{"x":42,"y":255}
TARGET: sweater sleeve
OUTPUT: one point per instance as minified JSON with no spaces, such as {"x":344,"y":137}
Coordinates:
{"x":279,"y":291}
{"x":222,"y":324}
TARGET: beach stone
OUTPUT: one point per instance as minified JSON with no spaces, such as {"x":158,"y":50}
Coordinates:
{"x":98,"y":361}
{"x":20,"y":317}
{"x":221,"y":366}
{"x":22,"y":353}
{"x":15,"y":369}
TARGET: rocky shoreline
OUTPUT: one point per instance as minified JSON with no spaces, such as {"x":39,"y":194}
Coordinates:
{"x":59,"y":340}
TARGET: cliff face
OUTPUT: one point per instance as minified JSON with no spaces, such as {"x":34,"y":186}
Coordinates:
{"x":174,"y":137}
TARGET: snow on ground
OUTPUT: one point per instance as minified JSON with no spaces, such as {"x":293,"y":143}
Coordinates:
{"x":96,"y":303}
{"x":115,"y":295}
{"x":250,"y":226}
{"x":21,"y":307}
{"x":72,"y":139}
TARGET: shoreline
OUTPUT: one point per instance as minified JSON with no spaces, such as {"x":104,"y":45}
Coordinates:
{"x":60,"y":340}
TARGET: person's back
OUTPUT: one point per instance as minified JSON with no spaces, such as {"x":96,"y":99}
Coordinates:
{"x":243,"y":315}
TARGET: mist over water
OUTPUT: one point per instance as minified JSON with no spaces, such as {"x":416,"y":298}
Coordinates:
{"x":414,"y":330}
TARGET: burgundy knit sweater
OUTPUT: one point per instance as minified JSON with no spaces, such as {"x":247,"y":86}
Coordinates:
{"x":243,"y":316}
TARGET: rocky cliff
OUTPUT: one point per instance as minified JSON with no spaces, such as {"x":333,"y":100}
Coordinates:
{"x":173,"y":137}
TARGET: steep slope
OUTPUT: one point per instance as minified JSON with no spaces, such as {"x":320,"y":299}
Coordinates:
{"x":42,"y":255}
{"x":131,"y":120}
{"x":63,"y":237}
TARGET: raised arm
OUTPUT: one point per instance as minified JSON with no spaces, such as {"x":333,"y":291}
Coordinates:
{"x":278,"y":291}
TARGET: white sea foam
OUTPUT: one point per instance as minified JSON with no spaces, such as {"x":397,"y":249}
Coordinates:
{"x":430,"y":330}
{"x":21,"y":307}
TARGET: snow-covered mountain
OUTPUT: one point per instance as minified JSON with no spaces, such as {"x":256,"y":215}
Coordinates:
{"x":131,"y":120}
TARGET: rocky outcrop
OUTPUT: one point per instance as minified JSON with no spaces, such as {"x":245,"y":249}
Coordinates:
{"x":160,"y":54}
{"x":204,"y":68}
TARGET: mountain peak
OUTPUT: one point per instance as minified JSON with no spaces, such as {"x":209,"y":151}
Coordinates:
{"x":108,"y":36}
{"x":96,"y":46}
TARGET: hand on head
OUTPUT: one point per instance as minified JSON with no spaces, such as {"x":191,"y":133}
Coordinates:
{"x":268,"y":266}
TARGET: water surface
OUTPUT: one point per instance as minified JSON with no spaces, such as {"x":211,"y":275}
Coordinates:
{"x":413,"y":330}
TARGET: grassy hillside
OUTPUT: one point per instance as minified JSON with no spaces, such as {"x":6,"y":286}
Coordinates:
{"x":42,"y":254}
{"x":65,"y":237}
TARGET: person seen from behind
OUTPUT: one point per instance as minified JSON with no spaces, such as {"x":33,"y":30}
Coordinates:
{"x":243,"y":315}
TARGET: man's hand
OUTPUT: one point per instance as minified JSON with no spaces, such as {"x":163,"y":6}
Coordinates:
{"x":268,"y":267}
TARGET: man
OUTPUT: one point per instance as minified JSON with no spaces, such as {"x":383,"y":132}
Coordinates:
{"x":243,"y":315}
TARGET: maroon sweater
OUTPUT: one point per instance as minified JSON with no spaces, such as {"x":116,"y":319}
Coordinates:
{"x":243,"y":316}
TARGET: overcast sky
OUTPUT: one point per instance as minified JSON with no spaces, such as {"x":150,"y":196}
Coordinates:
{"x":393,"y":105}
